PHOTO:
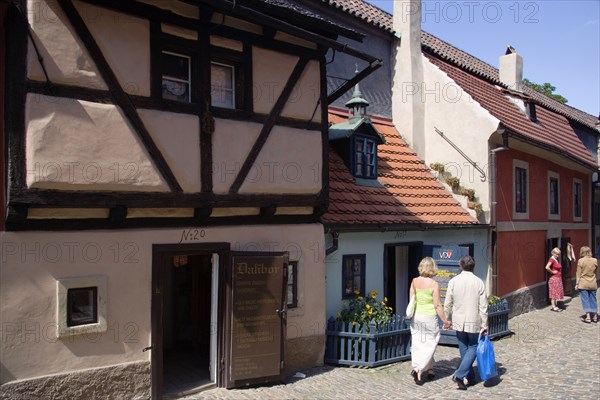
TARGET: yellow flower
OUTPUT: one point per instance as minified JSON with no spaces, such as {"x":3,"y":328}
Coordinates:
{"x":337,"y":315}
{"x":370,"y":311}
{"x":356,"y":292}
{"x":353,"y":322}
{"x":360,"y":297}
{"x":383,"y":302}
{"x":385,"y":299}
{"x":367,"y":306}
{"x":373,"y":296}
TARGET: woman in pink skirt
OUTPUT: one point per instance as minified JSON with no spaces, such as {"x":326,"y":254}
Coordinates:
{"x":555,"y":286}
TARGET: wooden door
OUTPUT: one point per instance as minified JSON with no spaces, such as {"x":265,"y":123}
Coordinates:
{"x":257,"y":313}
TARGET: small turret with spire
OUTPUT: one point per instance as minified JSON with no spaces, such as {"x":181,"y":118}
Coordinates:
{"x":357,"y":106}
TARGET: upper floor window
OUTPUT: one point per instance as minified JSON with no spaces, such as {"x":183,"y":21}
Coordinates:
{"x":365,"y":158}
{"x":176,"y":76}
{"x":353,"y":275}
{"x":181,"y":68}
{"x":521,"y":189}
{"x":577,"y":200}
{"x":553,"y":195}
{"x":222,"y":81}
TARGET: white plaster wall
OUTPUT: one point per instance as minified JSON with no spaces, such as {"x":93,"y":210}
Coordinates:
{"x":178,"y":138}
{"x":372,"y":244}
{"x":33,"y":261}
{"x":228,"y":158}
{"x":304,"y":99}
{"x":125,"y":43}
{"x":271,"y":71}
{"x":290,"y":162}
{"x":65,"y":57}
{"x":80,"y":145}
{"x":454,"y":112}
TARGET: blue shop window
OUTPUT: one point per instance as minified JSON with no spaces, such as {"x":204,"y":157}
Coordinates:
{"x":365,"y":158}
{"x":353,"y":275}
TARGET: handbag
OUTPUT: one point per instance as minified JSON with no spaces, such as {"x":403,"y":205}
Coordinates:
{"x":486,"y":359}
{"x":410,"y":309}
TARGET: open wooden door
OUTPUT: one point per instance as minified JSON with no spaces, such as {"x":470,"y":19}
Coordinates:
{"x":257,"y":307}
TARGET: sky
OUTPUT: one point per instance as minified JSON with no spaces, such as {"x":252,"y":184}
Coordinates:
{"x":559,"y":40}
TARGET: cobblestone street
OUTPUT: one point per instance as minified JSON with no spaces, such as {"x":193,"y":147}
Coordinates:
{"x":549,"y":356}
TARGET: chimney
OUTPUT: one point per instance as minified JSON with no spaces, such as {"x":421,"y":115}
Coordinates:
{"x":511,"y":69}
{"x":408,"y":108}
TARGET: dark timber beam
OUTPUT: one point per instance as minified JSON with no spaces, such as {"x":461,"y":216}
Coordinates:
{"x":249,"y":14}
{"x":121,"y":98}
{"x":339,"y":92}
{"x":15,"y":94}
{"x":269,"y":124}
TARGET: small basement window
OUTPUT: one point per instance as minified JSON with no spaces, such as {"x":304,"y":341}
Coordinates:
{"x":81,"y":305}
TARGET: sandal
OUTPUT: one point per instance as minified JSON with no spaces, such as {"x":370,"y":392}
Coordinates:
{"x":418,"y":380}
{"x":556,"y":309}
{"x":595,"y":319}
{"x":430,"y":374}
{"x":587,"y":320}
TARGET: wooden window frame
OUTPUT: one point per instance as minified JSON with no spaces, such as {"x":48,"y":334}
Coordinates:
{"x":361,"y":274}
{"x":553,"y":195}
{"x":577,"y":200}
{"x":190,"y":80}
{"x":518,"y":213}
{"x":364,"y":156}
{"x":293,"y":272}
{"x":235,"y":60}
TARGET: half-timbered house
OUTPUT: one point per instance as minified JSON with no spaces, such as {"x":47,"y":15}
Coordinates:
{"x":166,"y":169}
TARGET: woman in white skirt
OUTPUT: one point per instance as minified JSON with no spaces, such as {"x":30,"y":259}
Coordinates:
{"x":424,"y":327}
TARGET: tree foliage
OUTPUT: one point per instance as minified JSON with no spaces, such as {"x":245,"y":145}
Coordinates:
{"x":546,"y":89}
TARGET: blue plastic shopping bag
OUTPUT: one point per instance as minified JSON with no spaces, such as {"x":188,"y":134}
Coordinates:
{"x":486,"y":359}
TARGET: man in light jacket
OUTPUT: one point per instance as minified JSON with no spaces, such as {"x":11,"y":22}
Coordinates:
{"x":466,"y":309}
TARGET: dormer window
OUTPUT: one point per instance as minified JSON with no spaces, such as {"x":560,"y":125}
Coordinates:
{"x":530,"y":111}
{"x":356,"y":140}
{"x":365,"y":158}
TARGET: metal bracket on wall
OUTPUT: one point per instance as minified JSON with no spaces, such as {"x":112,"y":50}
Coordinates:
{"x":462,"y":153}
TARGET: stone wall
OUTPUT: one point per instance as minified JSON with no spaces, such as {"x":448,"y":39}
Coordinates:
{"x":125,"y":381}
{"x":303,"y":353}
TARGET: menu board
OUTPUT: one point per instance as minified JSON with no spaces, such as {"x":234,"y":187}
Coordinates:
{"x":446,"y":258}
{"x":257,"y":324}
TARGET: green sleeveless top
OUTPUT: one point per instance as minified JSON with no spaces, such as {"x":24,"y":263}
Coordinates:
{"x":424,"y":302}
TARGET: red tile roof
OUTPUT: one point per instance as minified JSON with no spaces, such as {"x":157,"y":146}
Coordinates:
{"x":383,"y":20}
{"x":552,"y":131}
{"x":410,"y":193}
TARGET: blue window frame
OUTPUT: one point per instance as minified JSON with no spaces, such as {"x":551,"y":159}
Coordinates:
{"x":353,"y":275}
{"x":365,"y":158}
